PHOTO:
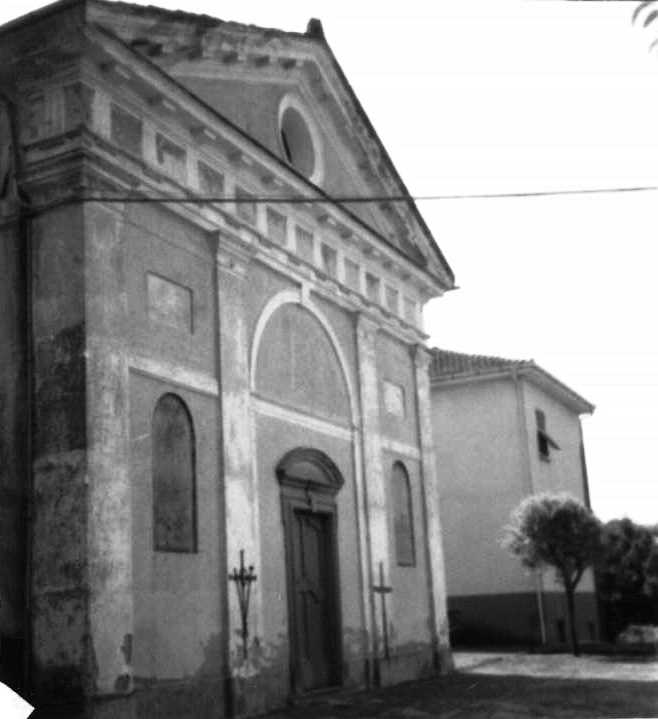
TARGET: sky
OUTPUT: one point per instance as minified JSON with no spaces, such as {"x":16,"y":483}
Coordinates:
{"x":508,"y":96}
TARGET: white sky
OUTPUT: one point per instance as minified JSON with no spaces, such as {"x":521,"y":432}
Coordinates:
{"x":504,"y":95}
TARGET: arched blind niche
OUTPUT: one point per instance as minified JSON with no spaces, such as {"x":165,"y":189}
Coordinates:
{"x":174,"y":481}
{"x":402,"y":516}
{"x":297,"y":365}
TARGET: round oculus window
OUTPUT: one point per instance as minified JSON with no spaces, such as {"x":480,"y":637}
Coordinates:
{"x":297,"y":142}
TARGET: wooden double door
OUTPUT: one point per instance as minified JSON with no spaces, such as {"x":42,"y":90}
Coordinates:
{"x":312,"y":598}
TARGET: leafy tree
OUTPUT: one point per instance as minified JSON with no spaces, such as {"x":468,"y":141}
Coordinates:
{"x":645,"y":14}
{"x":555,"y":531}
{"x":651,"y":576}
{"x":627,"y":573}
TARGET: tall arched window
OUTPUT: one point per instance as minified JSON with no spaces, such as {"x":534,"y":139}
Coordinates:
{"x":403,"y":516}
{"x":174,"y":481}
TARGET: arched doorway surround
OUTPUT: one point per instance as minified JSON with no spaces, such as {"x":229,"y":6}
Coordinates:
{"x":309,"y":482}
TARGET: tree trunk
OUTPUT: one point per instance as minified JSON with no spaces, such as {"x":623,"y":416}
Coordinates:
{"x":571,"y":617}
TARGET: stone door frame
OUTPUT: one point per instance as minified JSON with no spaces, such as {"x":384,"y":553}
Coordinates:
{"x":310,"y":481}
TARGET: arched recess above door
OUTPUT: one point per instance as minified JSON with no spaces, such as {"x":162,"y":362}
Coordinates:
{"x":297,"y":364}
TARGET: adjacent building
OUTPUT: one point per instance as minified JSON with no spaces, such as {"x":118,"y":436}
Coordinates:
{"x":504,"y":429}
{"x":218,"y":481}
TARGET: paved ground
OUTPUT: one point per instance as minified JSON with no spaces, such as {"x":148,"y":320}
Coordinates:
{"x":565,"y":666}
{"x":490,"y":685}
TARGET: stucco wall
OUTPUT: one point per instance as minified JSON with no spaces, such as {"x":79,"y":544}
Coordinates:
{"x":13,"y":427}
{"x":343,"y":325}
{"x":254,"y":107}
{"x":395,"y":365}
{"x":409,"y":607}
{"x":263,"y":284}
{"x":159,"y":243}
{"x":60,"y":592}
{"x":298,"y":366}
{"x":273,"y":439}
{"x":562,"y":472}
{"x":110,"y":614}
{"x":178,"y":595}
{"x":484,"y":471}
{"x":481,"y":476}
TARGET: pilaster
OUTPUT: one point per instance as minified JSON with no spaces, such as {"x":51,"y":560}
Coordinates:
{"x":109,"y":523}
{"x":430,"y":492}
{"x":239,"y":477}
{"x":374,"y":481}
{"x":58,"y":519}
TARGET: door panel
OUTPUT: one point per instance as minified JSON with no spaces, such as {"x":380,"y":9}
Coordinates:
{"x":312,"y":591}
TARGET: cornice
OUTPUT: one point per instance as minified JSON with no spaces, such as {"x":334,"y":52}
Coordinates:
{"x":422,"y":356}
{"x":234,"y":254}
{"x":293,"y":53}
{"x":91,"y":166}
{"x":193,"y":115}
{"x":110,"y":169}
{"x":532,"y":373}
{"x":310,"y":76}
{"x":366,"y":329}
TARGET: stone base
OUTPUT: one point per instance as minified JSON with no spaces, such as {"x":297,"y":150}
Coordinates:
{"x":241,"y":696}
{"x":512,"y":619}
{"x":197,"y":699}
{"x":407,"y":664}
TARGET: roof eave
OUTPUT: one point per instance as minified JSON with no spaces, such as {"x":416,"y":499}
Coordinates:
{"x":370,"y":127}
{"x":528,"y":370}
{"x":436,"y":282}
{"x":546,"y":381}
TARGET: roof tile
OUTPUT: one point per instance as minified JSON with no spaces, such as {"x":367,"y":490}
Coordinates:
{"x":446,"y":364}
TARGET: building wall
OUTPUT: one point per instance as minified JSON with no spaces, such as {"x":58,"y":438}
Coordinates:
{"x":178,"y":595}
{"x":132,"y":301}
{"x":170,"y":287}
{"x":13,"y":462}
{"x":397,"y":390}
{"x":273,"y":439}
{"x":59,"y":563}
{"x":409,"y":610}
{"x":254,"y":106}
{"x":487,"y":461}
{"x":481,"y":478}
{"x":562,"y":472}
{"x":410,"y":619}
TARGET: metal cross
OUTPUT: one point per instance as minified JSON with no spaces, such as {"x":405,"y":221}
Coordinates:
{"x":383,"y":590}
{"x":243,"y":580}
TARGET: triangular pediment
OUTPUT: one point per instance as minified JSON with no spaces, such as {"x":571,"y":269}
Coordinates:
{"x":251,"y":75}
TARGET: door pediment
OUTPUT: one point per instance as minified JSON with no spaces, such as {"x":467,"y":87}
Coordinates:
{"x":309,"y":469}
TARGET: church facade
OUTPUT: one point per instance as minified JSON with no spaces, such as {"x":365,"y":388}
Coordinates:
{"x":219,"y":481}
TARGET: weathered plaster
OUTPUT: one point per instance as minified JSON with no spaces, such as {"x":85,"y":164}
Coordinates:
{"x":434,"y":537}
{"x":109,"y":528}
{"x":239,"y":478}
{"x":374,"y":488}
{"x":118,"y":627}
{"x":294,"y":297}
{"x":13,"y":449}
{"x":179,"y":596}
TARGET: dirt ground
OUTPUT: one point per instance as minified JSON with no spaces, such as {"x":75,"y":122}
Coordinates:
{"x":489,"y":685}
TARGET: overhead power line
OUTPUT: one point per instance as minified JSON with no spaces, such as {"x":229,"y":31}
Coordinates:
{"x":359,"y":199}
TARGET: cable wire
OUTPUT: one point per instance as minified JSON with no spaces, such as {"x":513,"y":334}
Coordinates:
{"x":355,"y":199}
